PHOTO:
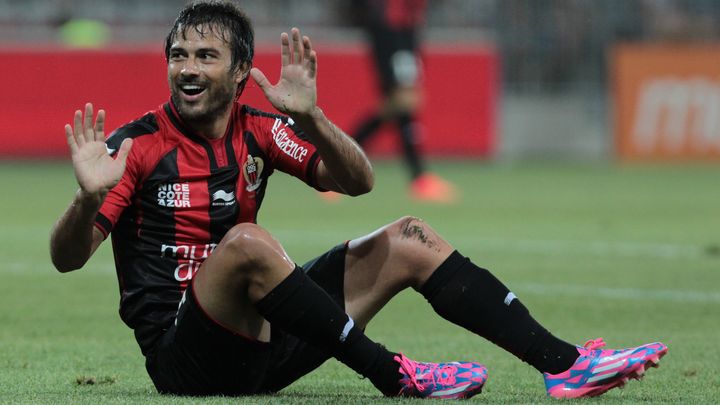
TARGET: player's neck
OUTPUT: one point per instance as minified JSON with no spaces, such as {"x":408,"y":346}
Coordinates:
{"x":214,"y":129}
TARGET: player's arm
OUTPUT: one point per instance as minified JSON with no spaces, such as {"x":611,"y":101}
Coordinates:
{"x":74,"y":237}
{"x":344,"y":167}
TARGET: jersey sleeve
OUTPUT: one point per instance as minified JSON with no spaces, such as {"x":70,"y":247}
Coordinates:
{"x":118,"y":198}
{"x":288,"y":148}
{"x":121,"y":196}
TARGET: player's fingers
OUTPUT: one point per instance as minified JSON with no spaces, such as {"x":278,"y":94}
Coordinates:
{"x":100,"y":126}
{"x":312,"y":64}
{"x":296,"y":47}
{"x":284,"y":49}
{"x":78,"y":128}
{"x":307,"y":49}
{"x":124,"y":150}
{"x":87,"y":123}
{"x":70,"y":137}
{"x":260,"y":78}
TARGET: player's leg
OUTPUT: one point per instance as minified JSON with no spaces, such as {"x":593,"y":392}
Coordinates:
{"x":402,"y":104}
{"x":380,"y":265}
{"x":409,"y":253}
{"x":381,"y":49}
{"x":404,"y":94}
{"x":443,"y":380}
{"x":249,"y":279}
{"x":368,"y":128}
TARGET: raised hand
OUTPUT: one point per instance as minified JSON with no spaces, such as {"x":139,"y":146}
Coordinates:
{"x":95,"y":170}
{"x":296,"y":91}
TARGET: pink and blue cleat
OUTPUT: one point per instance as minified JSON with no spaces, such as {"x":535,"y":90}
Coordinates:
{"x":456,"y":380}
{"x":597,"y":371}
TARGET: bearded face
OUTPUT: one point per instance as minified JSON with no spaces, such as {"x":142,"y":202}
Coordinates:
{"x":201,"y":82}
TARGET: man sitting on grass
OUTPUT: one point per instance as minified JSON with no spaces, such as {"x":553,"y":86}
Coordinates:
{"x":217,"y":306}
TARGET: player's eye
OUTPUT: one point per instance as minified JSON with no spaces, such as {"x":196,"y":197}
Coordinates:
{"x":175,"y":55}
{"x":207,"y":55}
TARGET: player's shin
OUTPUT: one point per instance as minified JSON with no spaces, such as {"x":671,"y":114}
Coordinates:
{"x":301,"y":308}
{"x":471,"y":297}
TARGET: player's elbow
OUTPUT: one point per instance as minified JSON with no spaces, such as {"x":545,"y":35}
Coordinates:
{"x":64,"y":260}
{"x":63,"y":265}
{"x":366,"y":187}
{"x":362,"y":186}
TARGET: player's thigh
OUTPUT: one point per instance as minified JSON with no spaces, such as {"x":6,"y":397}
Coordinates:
{"x":246,"y":265}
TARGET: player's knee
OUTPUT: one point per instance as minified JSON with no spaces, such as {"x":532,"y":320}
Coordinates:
{"x":414,"y":239}
{"x":404,"y":100}
{"x":249,"y":244}
{"x":417,"y":249}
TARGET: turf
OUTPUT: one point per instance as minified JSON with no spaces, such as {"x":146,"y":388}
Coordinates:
{"x":629,"y":253}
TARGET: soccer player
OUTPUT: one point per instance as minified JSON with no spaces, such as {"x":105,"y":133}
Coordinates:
{"x":392,"y":30}
{"x":216,"y":305}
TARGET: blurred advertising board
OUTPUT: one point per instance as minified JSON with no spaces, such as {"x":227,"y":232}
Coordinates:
{"x":43,"y":87}
{"x":666,"y":101}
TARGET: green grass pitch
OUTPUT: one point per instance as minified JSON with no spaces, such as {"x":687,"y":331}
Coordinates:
{"x":627,"y":253}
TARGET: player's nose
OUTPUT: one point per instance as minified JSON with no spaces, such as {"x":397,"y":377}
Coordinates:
{"x":189,"y":68}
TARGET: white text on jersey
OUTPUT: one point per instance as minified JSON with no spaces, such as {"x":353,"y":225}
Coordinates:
{"x":285,"y":143}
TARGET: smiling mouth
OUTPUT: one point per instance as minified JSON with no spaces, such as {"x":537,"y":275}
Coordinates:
{"x":192,"y":89}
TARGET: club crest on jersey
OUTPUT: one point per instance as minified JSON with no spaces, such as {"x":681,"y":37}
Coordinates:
{"x":252,"y":170}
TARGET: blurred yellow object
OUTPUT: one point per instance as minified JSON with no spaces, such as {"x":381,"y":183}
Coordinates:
{"x":84,"y":33}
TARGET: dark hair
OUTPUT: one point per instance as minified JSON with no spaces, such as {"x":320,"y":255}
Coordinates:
{"x":220,"y":18}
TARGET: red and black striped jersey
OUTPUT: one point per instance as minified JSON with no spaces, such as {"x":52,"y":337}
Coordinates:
{"x":181,"y":193}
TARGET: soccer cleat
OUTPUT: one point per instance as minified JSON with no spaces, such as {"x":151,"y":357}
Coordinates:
{"x":454,"y":380}
{"x":597,"y":371}
{"x":431,"y":188}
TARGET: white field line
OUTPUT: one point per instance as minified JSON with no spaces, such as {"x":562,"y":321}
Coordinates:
{"x":616,"y":293}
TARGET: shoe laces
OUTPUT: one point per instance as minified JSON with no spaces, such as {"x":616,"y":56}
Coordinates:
{"x":594,"y":344}
{"x":420,"y":374}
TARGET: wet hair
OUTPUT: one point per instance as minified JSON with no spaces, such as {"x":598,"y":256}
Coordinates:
{"x":221,"y":18}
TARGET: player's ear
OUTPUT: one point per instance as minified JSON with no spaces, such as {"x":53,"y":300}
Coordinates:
{"x":242,"y":72}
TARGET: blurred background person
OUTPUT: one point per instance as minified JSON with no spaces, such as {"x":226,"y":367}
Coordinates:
{"x":79,"y":31}
{"x":83,"y":32}
{"x":392,"y":29}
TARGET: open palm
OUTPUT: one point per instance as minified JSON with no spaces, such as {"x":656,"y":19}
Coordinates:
{"x":95,"y":170}
{"x":296,"y":91}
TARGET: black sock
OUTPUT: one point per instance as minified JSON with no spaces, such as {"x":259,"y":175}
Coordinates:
{"x":408,"y":133}
{"x":367,"y":129}
{"x":300,"y":307}
{"x":471,"y":297}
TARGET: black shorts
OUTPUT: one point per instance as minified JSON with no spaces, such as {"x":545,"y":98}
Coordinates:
{"x":197,"y":356}
{"x":396,"y":57}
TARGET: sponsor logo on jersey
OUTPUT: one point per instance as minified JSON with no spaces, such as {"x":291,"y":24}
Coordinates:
{"x":174,"y":195}
{"x":222,"y":198}
{"x":189,"y":258}
{"x":252,"y":170}
{"x":286,"y":144}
